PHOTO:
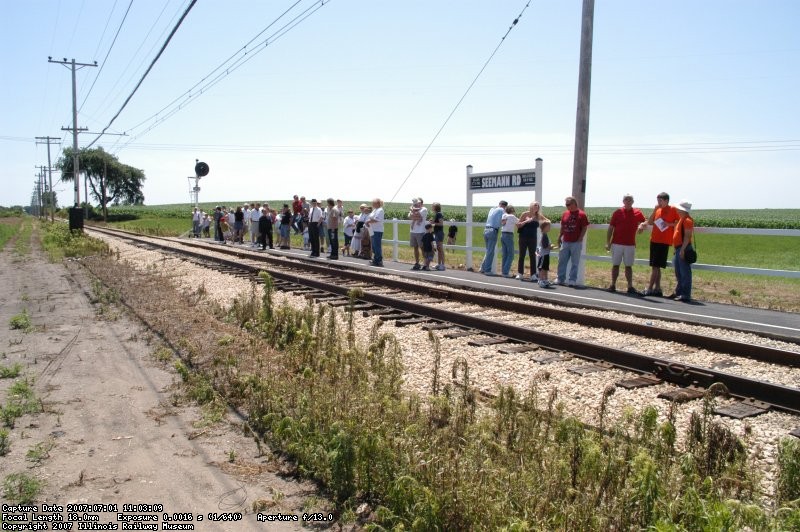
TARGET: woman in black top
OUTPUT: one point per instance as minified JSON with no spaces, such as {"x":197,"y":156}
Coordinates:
{"x":438,"y":234}
{"x":286,"y":223}
{"x":527,"y":228}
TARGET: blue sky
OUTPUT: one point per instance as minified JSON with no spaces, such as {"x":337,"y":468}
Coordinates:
{"x":695,"y":98}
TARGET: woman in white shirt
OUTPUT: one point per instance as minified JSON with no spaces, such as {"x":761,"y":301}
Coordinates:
{"x":375,"y":224}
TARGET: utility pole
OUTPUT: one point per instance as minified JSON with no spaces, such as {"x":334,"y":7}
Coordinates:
{"x":50,"y":140}
{"x":582,"y":119}
{"x":77,"y":224}
{"x":39,"y":191}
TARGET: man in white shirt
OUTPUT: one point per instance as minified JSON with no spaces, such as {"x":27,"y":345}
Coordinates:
{"x":255,"y":216}
{"x":314,"y":218}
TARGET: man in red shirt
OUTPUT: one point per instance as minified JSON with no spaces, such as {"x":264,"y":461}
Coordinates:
{"x":621,"y":241}
{"x":574,"y":224}
{"x":663,"y":219}
{"x":297,"y":214}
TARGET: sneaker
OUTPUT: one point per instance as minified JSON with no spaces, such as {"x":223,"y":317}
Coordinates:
{"x":518,"y":277}
{"x":571,"y":284}
{"x":673,"y":295}
{"x":611,"y":288}
{"x":534,"y":279}
{"x":633,"y":291}
{"x":416,"y":266}
{"x":657,"y":293}
{"x":424,"y":268}
{"x":441,"y":268}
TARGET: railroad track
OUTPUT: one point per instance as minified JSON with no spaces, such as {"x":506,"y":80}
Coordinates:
{"x":390,"y":300}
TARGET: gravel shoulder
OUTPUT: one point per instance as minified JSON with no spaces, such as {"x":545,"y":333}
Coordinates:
{"x":112,"y":429}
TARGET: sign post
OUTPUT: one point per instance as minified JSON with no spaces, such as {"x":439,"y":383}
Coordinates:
{"x":506,"y":181}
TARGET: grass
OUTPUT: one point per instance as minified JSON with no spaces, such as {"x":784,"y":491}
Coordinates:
{"x":10,"y":372}
{"x":60,"y":243}
{"x":22,"y":245}
{"x":21,"y":322}
{"x":21,"y":488}
{"x":20,"y":400}
{"x":5,"y":443}
{"x":337,"y":406}
{"x":8,"y":228}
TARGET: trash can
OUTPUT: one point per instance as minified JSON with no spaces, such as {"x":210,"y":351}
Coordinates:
{"x":75,"y":218}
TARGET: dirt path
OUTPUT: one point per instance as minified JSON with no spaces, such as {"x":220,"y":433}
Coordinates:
{"x":109,"y":432}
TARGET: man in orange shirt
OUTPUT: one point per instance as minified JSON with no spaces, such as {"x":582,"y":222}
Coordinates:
{"x":663,"y":219}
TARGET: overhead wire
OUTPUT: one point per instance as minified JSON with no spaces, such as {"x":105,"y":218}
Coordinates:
{"x":152,"y":64}
{"x":511,"y":150}
{"x":458,"y":104}
{"x":224,"y":69}
{"x":103,"y":62}
{"x":134,"y":72}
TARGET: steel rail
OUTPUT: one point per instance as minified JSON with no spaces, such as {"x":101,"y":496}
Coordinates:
{"x":755,"y":352}
{"x":781,"y":397}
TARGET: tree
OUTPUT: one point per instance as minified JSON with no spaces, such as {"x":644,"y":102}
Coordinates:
{"x":110,"y":180}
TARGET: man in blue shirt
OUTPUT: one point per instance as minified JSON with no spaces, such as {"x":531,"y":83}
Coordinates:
{"x":490,"y":237}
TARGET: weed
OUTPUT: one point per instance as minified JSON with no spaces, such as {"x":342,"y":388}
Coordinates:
{"x":60,"y":242}
{"x":225,"y":339}
{"x":40,"y":452}
{"x":163,"y":354}
{"x":231,"y":456}
{"x":788,"y":470}
{"x":21,"y":488}
{"x":21,"y":322}
{"x":10,"y":372}
{"x":182,"y":370}
{"x":5,"y":443}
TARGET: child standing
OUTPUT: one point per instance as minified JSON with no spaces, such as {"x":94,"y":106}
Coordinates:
{"x":428,"y":241}
{"x":508,"y":223}
{"x":543,"y":254}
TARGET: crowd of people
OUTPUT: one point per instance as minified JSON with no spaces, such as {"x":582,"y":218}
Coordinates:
{"x":319,"y":224}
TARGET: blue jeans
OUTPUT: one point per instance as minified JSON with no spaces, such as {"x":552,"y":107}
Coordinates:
{"x":333,"y":238}
{"x":570,"y":252}
{"x":377,"y":247}
{"x":507,"y":249}
{"x":490,"y":237}
{"x":683,"y":275}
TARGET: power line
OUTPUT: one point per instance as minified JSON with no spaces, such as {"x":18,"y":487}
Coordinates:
{"x":133,"y":71}
{"x":103,"y":62}
{"x":458,"y":104}
{"x":152,"y":64}
{"x":189,"y":96}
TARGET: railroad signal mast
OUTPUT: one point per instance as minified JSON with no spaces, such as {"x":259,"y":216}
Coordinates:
{"x":200,"y":170}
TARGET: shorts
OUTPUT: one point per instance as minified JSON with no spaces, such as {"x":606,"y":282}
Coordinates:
{"x":658,"y":254}
{"x":347,"y":239}
{"x":438,"y":236}
{"x":620,"y":253}
{"x":415,"y":239}
{"x":543,"y":264}
{"x":428,"y":255}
